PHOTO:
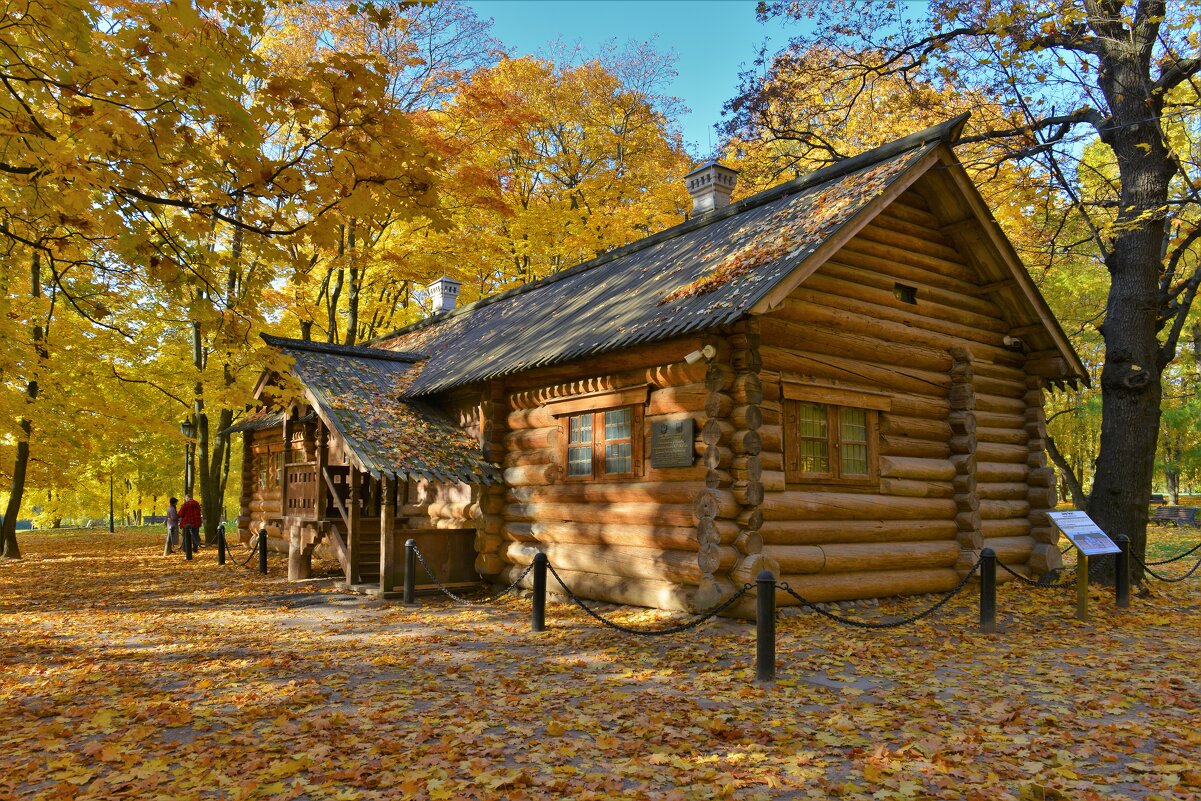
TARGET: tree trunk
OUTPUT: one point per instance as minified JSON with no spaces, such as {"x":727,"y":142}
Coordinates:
{"x":9,"y":549}
{"x":211,"y":458}
{"x":352,"y":293}
{"x":1067,"y":476}
{"x":1131,"y":386}
{"x":1171,"y":467}
{"x":1172,"y":477}
{"x":1131,"y":390}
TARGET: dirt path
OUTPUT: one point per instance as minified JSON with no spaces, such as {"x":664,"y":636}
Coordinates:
{"x":127,"y":675}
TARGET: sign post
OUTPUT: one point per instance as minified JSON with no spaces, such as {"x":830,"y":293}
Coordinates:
{"x":1081,"y":585}
{"x":1089,"y":540}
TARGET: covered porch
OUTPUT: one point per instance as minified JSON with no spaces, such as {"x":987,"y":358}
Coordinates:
{"x":347,"y":467}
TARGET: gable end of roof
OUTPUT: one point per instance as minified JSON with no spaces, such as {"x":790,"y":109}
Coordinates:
{"x":947,"y":133}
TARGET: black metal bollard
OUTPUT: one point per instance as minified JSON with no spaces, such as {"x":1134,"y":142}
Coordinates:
{"x":765,"y":628}
{"x":187,"y":542}
{"x":538,"y":610}
{"x":410,"y":572}
{"x":1121,"y":577}
{"x":221,"y":544}
{"x":988,"y":591}
{"x":263,"y":551}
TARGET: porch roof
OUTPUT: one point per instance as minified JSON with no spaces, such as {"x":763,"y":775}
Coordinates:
{"x":357,"y":392}
{"x":261,"y":419}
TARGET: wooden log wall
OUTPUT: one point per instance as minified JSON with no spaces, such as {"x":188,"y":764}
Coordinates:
{"x":962,"y":418}
{"x":435,"y":504}
{"x":736,"y":410}
{"x":955,"y":448}
{"x":493,"y":424}
{"x":1003,"y":461}
{"x":661,"y":538}
{"x":263,"y":506}
{"x":249,"y":479}
{"x":1040,"y":485}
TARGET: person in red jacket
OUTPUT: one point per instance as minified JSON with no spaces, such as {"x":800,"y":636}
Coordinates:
{"x":190,"y":519}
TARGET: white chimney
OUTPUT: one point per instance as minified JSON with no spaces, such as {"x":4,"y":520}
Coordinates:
{"x":710,"y":186}
{"x":444,"y":293}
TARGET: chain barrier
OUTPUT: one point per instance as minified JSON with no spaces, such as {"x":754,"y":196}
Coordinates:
{"x":691,"y":624}
{"x":891,"y":624}
{"x":1068,"y":582}
{"x":249,"y":556}
{"x":1166,"y":579}
{"x":461,"y":599}
{"x":1176,"y":558}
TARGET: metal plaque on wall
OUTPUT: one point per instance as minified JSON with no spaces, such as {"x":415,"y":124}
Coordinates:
{"x":671,"y":443}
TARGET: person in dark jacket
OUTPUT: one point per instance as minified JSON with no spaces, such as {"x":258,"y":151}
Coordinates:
{"x":190,"y":519}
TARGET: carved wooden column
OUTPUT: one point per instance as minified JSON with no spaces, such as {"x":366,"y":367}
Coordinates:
{"x":283,"y":472}
{"x":387,"y":533}
{"x":300,"y":556}
{"x":354,"y":503}
{"x":322,"y":464}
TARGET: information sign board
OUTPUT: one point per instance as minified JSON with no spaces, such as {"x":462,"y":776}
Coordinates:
{"x":1083,"y":533}
{"x":671,"y":443}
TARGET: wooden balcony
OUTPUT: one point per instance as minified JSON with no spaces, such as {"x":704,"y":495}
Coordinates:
{"x":301,"y":481}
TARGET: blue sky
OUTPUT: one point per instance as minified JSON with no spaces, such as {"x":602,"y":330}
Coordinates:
{"x":713,"y":40}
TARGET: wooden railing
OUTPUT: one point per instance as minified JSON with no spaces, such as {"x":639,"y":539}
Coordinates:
{"x":335,"y":481}
{"x":302,"y":485}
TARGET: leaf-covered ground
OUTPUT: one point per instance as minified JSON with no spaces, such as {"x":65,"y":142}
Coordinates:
{"x":129,"y":675}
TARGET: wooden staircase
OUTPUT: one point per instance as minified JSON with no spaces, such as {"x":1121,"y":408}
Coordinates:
{"x":367,"y":557}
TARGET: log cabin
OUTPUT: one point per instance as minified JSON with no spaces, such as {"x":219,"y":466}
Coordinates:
{"x":840,"y":379}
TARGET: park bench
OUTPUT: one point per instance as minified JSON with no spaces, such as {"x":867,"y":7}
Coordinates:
{"x":1158,"y":500}
{"x":1178,"y":515}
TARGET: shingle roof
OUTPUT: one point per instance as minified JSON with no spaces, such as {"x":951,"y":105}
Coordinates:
{"x":357,"y":391}
{"x":704,"y":273}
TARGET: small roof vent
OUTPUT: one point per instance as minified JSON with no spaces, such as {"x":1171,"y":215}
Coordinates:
{"x":444,"y":293}
{"x":710,"y":186}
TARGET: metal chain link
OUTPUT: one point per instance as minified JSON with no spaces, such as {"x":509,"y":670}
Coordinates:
{"x":461,"y":599}
{"x":1176,"y":558}
{"x":1035,"y":582}
{"x":691,"y":624}
{"x":1165,"y":578}
{"x":249,"y":556}
{"x":891,"y":624}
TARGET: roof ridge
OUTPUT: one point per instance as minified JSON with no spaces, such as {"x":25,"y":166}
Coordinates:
{"x":948,"y":132}
{"x":359,"y":351}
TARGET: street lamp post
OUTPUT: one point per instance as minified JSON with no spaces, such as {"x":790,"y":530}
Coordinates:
{"x":188,"y":429}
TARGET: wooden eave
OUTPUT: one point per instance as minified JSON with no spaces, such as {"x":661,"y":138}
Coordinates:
{"x":971,"y":231}
{"x":1005,"y":268}
{"x":780,"y":292}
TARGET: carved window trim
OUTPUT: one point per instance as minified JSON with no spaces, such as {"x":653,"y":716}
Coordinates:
{"x":599,"y":401}
{"x":596,"y":404}
{"x":598,"y":442}
{"x":834,"y":445}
